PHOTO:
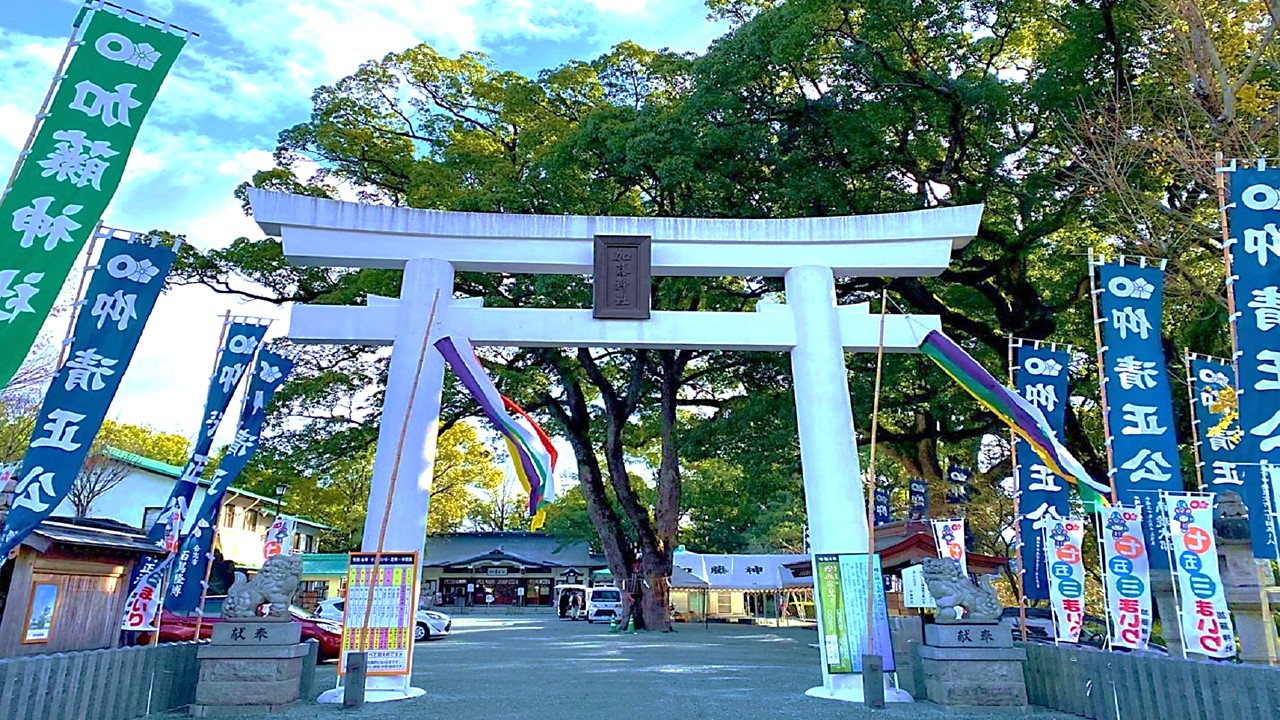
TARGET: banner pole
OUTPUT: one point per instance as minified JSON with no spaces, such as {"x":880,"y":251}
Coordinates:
{"x":1226,"y":259}
{"x":1020,"y":576}
{"x":365,"y":631}
{"x":164,"y":589}
{"x":1102,"y":567}
{"x":42,"y":113}
{"x":1195,"y":420}
{"x":75,"y":306}
{"x":1102,"y":377}
{"x":208,"y":571}
{"x":871,"y":467}
{"x":1173,"y":576}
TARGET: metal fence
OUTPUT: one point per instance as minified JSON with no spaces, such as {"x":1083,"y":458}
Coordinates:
{"x":112,"y":684}
{"x":1122,"y":686}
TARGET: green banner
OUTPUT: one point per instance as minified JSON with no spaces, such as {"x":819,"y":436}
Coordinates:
{"x":74,"y":168}
{"x":831,"y":608}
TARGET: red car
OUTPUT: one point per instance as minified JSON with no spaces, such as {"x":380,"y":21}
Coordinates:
{"x":178,"y":628}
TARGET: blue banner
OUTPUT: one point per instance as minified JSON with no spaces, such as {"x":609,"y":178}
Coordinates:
{"x":882,"y":509}
{"x":1253,"y":256}
{"x":917,"y":499}
{"x":1215,"y":421}
{"x":125,"y":286}
{"x":1136,"y":394}
{"x":234,"y":357}
{"x":959,"y":478}
{"x":1040,"y":375}
{"x":269,"y":373}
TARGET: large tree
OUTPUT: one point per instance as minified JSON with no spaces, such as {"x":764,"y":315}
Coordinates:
{"x":805,"y":108}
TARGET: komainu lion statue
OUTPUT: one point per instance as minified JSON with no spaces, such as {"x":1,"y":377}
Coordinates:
{"x":951,"y":589}
{"x":275,"y":584}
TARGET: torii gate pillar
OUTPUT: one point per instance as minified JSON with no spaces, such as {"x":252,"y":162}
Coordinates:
{"x":429,"y":245}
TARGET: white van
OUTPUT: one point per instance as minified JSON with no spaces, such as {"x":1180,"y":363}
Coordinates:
{"x":603,"y":603}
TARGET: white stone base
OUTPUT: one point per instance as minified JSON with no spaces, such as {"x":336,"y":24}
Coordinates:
{"x":373,"y":695}
{"x":853,"y":693}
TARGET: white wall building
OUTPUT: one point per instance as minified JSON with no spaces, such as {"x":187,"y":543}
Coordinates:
{"x":242,"y":523}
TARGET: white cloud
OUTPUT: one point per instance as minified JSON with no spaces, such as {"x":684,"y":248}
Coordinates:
{"x":250,"y":75}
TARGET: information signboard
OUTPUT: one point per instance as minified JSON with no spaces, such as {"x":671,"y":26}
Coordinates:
{"x":842,"y":592}
{"x":388,"y":636}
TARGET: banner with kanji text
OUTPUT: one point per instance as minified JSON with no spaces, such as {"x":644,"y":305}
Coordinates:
{"x":1137,"y":398}
{"x":882,"y":510}
{"x":279,"y":540}
{"x":1253,"y":269}
{"x":917,"y":498}
{"x":959,"y":479}
{"x":1040,"y":375}
{"x":269,"y":370}
{"x":1127,"y":572}
{"x":122,"y":292}
{"x":236,"y":355}
{"x":1065,"y":542}
{"x":1215,"y":420}
{"x":74,"y":167}
{"x":1206,"y":621}
{"x":142,"y":607}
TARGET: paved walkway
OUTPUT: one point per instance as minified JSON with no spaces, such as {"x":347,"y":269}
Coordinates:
{"x":522,"y":668}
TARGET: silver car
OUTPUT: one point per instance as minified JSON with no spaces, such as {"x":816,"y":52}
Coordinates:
{"x":430,"y":623}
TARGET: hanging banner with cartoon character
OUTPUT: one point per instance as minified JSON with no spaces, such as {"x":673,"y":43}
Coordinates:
{"x":269,"y":372}
{"x":74,"y":166}
{"x":949,"y":536}
{"x":882,"y":509}
{"x":1215,"y":420}
{"x":279,"y":540}
{"x":1136,"y":396}
{"x":1128,"y":576}
{"x":959,"y":479}
{"x":122,"y":292}
{"x":1206,"y":621}
{"x":917,"y":499}
{"x":1065,"y":543}
{"x":1253,"y":265}
{"x":1040,"y":374}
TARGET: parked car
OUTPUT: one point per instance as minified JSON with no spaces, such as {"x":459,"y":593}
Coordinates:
{"x":430,"y":624}
{"x":603,"y":603}
{"x":179,"y":628}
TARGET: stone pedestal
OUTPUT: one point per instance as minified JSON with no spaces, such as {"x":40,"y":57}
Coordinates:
{"x":250,"y":667}
{"x":974,"y":665}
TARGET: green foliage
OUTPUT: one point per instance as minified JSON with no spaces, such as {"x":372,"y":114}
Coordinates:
{"x":1079,"y":126}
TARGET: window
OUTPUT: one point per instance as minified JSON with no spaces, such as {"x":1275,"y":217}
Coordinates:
{"x":724,"y":603}
{"x":228,"y":516}
{"x":250,"y":520}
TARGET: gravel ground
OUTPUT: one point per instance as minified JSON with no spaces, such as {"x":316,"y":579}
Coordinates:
{"x":522,"y":668}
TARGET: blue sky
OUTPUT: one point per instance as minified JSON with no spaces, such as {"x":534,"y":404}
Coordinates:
{"x":250,"y":75}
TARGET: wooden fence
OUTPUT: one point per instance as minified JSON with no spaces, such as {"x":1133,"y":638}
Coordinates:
{"x":112,"y":684}
{"x":1124,"y":686}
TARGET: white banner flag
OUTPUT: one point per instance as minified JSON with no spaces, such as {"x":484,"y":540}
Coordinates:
{"x":142,"y":607}
{"x":949,"y":536}
{"x":1206,"y":622}
{"x":279,"y":540}
{"x":1128,"y":576}
{"x":1064,"y":542}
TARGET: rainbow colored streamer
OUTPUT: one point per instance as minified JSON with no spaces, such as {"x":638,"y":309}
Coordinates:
{"x":531,"y":450}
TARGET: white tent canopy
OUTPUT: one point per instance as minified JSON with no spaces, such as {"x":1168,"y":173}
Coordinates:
{"x":741,"y":572}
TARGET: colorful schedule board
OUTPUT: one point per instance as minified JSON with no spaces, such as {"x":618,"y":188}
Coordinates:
{"x":842,"y":601}
{"x":388,"y":635}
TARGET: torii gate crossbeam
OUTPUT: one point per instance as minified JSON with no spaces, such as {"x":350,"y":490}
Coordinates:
{"x":431,"y":246}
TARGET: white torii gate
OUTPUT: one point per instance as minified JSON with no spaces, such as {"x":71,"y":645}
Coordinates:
{"x":431,"y":245}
